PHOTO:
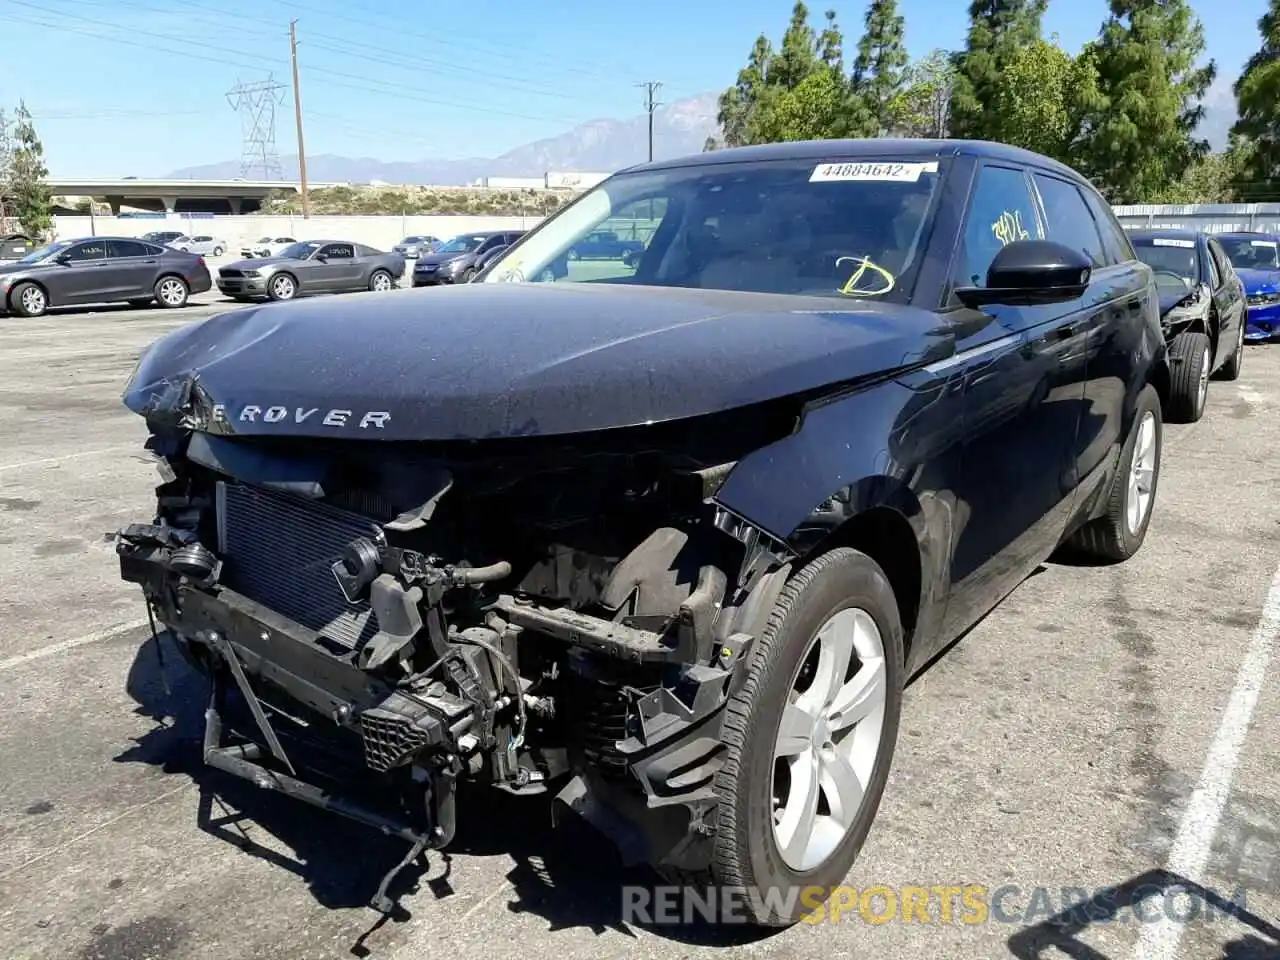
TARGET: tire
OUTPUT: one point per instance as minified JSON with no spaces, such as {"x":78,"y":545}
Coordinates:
{"x":468,"y":275}
{"x":1231,"y":369}
{"x":381,"y":281}
{"x":28,"y":300}
{"x":1190,"y":357}
{"x":217,"y":251}
{"x":282,"y":287}
{"x":844,"y":583}
{"x":1112,"y":537}
{"x":172,"y":292}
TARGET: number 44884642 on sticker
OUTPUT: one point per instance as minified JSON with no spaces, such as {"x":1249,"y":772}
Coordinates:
{"x":902,"y":172}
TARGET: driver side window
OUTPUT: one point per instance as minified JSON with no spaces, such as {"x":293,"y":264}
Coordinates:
{"x":1000,"y":212}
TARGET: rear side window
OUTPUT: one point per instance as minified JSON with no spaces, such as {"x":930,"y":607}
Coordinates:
{"x":1115,"y":242}
{"x":1067,"y":218}
{"x":129,"y":248}
{"x":1000,"y":212}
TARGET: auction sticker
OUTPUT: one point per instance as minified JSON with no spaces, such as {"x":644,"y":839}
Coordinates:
{"x":1263,"y":243}
{"x":891,"y":172}
{"x":1167,"y":242}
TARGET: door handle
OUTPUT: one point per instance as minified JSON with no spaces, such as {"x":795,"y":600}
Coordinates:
{"x":149,"y":262}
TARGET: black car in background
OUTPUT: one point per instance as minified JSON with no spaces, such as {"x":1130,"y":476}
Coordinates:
{"x":666,"y":545}
{"x":1202,"y":310}
{"x":101,"y":270}
{"x":457,"y":259}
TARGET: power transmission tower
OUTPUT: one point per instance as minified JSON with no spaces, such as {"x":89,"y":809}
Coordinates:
{"x":256,"y":102}
{"x":651,"y":87}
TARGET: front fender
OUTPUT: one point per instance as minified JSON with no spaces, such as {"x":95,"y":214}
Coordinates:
{"x":893,"y":445}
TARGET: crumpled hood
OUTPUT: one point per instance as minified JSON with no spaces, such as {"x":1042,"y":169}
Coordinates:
{"x":1259,"y":281}
{"x":491,"y":360}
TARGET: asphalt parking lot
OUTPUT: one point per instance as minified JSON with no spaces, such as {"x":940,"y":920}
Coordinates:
{"x":1088,"y":734}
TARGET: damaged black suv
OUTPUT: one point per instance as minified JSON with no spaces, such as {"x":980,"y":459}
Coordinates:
{"x":665,"y":535}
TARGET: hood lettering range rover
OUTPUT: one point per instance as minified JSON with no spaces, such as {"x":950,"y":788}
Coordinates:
{"x":662,"y":531}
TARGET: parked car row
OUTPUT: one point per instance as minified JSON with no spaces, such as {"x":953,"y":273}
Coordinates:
{"x":311,"y":266}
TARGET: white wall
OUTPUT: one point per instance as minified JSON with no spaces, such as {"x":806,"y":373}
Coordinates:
{"x":383,"y":232}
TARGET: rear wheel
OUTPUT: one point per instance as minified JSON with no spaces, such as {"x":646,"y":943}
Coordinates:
{"x":172,"y":292}
{"x":1190,"y":356}
{"x":28,"y":300}
{"x":381,"y":281}
{"x":217,"y":251}
{"x":1119,"y":533}
{"x":1231,"y":369}
{"x":282,"y":287}
{"x":810,"y":738}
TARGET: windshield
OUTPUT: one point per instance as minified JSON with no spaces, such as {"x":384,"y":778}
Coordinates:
{"x":1248,"y":254}
{"x":843,"y":230}
{"x":1170,"y":255}
{"x":460,"y":244}
{"x":299,"y":251}
{"x":35,"y":256}
{"x":414,"y":240}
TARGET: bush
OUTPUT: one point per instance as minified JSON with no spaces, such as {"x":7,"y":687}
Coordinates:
{"x":420,"y":201}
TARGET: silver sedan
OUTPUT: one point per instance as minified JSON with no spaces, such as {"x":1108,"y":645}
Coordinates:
{"x":311,"y":266}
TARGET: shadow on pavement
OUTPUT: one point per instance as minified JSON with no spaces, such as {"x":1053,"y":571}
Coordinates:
{"x":570,"y":876}
{"x":1059,"y":935}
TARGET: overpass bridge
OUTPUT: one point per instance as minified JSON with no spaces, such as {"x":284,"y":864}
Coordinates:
{"x":178,"y":196}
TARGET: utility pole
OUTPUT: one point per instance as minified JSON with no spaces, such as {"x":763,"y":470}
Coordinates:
{"x":297,"y":112}
{"x":650,"y":87}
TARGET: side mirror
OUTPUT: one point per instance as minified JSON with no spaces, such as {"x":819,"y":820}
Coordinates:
{"x":62,"y":259}
{"x":1031,"y":272}
{"x":321,"y":257}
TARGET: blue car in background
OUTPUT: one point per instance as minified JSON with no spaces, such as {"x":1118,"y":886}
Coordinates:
{"x":1256,"y":257}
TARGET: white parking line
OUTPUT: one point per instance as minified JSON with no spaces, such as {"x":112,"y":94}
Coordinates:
{"x":45,"y":461}
{"x":1194,"y":841}
{"x":65,"y":645}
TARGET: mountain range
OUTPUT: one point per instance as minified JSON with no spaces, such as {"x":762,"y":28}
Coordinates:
{"x":598,"y":146}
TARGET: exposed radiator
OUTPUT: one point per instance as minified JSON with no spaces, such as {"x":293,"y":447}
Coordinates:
{"x":278,"y":550}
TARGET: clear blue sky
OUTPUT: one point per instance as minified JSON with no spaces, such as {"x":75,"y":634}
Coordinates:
{"x":137,"y":87}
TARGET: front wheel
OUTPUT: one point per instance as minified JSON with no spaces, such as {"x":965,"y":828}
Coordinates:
{"x":217,"y":251}
{"x":1119,"y":533}
{"x":381,"y":281}
{"x":282,"y":287}
{"x":172,"y":292}
{"x":28,"y":300}
{"x":810,"y":738}
{"x":1190,"y":356}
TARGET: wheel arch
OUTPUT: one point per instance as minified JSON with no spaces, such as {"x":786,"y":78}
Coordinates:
{"x":884,"y":534}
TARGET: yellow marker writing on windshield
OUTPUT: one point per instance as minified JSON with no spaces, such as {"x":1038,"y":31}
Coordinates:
{"x":849,"y":287}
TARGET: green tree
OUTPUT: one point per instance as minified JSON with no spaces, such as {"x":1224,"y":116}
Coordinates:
{"x":1046,"y":96}
{"x":1140,"y":136}
{"x":28,"y":185}
{"x":1214,"y":178}
{"x":998,"y":31}
{"x":879,"y":71}
{"x":798,"y":91}
{"x":923,"y":108}
{"x":1258,"y":104}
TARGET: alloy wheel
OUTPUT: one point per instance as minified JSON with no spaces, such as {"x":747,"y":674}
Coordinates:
{"x":33,"y":301}
{"x":172,"y":292}
{"x":381,"y":282}
{"x":828,"y":739}
{"x":283,"y":287}
{"x":1142,"y":474}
